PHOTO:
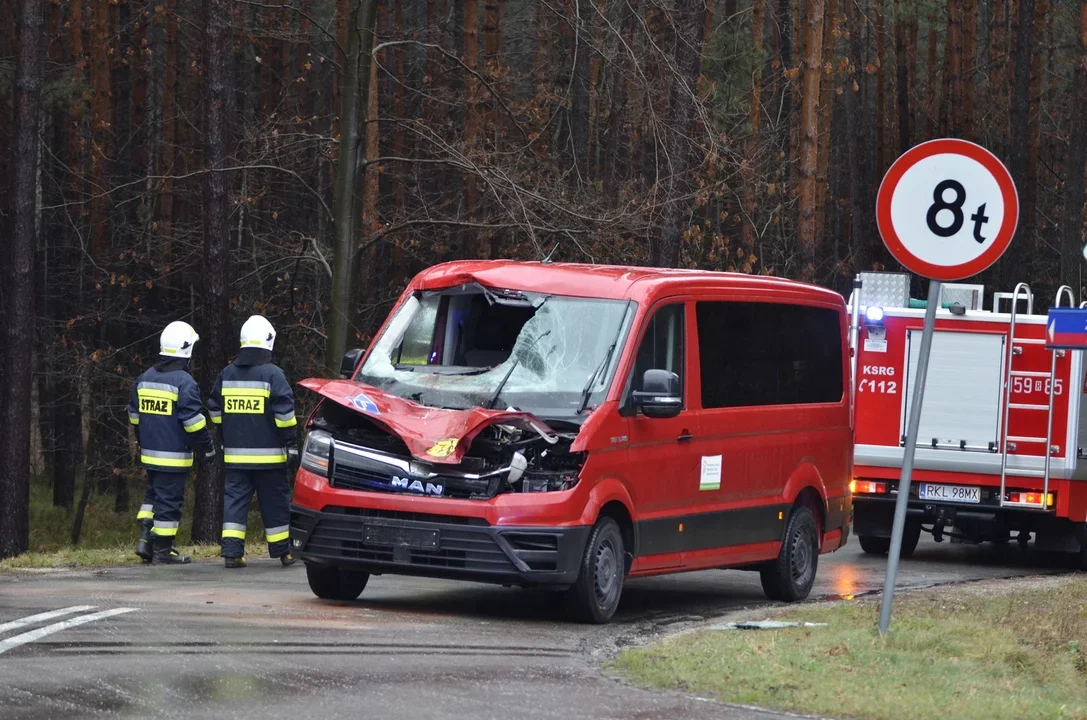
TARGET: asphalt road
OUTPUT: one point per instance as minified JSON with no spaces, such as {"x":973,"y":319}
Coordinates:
{"x":200,"y":642}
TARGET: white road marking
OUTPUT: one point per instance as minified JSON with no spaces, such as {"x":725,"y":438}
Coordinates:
{"x":33,"y":635}
{"x":32,"y":619}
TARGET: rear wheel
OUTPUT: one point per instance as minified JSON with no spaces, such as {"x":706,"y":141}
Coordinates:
{"x":595,"y":595}
{"x":790,"y":577}
{"x":911,"y":535}
{"x":875,"y":545}
{"x":333,"y":583}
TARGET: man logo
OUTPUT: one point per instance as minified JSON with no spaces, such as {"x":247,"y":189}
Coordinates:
{"x":403,"y":483}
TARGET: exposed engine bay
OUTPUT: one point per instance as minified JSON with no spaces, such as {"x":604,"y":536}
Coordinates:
{"x":358,"y":453}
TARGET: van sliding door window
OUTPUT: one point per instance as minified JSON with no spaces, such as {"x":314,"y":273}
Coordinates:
{"x":755,"y":354}
{"x":662,"y":345}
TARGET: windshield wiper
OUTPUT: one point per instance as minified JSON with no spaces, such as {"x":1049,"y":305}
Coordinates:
{"x":587,"y":391}
{"x":516,"y":362}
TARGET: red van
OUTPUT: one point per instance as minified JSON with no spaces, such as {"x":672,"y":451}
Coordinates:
{"x":575,"y":425}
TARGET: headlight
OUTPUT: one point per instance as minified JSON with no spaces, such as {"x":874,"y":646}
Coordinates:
{"x":874,"y":314}
{"x":315,"y":452}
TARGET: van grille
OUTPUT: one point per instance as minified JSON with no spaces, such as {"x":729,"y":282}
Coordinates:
{"x":459,"y":548}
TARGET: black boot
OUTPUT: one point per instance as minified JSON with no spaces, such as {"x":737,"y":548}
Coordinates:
{"x":143,"y":545}
{"x":234,"y":563}
{"x":287,"y":560}
{"x":167,"y":554}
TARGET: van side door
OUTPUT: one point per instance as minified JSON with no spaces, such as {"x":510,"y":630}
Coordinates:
{"x":662,"y":459}
{"x":772,"y":398}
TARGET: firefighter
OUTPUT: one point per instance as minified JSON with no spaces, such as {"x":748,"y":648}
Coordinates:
{"x":166,"y":411}
{"x":253,"y":406}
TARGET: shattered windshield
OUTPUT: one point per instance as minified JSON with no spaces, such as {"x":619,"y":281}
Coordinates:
{"x":472,"y":346}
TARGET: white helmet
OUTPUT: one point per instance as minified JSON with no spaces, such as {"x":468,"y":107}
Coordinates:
{"x":258,"y":332}
{"x":177,"y":340}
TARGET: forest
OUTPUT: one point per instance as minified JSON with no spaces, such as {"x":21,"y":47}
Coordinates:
{"x":205,"y":160}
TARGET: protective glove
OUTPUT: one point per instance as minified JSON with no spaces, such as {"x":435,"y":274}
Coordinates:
{"x":210,"y":453}
{"x":294,"y":458}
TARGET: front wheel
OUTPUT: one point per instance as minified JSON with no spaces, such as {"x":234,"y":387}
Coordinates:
{"x":595,"y":595}
{"x":333,"y":583}
{"x":790,"y":577}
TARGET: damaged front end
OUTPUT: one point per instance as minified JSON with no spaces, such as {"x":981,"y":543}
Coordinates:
{"x":499,"y":453}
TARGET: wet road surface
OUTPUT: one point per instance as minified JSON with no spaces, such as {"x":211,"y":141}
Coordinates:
{"x":200,"y":642}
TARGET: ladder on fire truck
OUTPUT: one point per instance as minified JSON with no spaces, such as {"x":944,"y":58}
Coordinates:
{"x":1011,"y":442}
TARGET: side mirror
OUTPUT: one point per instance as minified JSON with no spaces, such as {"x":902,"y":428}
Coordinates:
{"x":350,"y":363}
{"x":660,"y":396}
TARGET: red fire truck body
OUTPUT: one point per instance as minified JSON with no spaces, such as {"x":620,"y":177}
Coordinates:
{"x":995,"y":398}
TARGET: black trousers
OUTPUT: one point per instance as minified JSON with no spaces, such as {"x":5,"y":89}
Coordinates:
{"x":167,"y":493}
{"x":274,"y":499}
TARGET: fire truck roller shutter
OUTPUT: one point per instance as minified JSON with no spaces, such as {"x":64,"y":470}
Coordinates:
{"x":963,"y":394}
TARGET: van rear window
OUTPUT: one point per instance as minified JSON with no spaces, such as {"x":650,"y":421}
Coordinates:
{"x":755,"y":354}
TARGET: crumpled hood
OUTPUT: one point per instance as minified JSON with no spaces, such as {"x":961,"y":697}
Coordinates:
{"x":434,"y":435}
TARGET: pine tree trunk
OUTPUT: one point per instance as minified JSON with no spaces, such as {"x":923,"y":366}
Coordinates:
{"x":861,"y":172}
{"x":167,"y":158}
{"x":806,"y":230}
{"x":578,"y":172}
{"x":882,"y":116}
{"x":618,"y":144}
{"x":472,"y":123}
{"x":346,"y":210}
{"x":826,"y":114}
{"x":932,"y":63}
{"x":954,"y":66}
{"x":785,"y":56}
{"x":968,"y":68}
{"x":748,"y":168}
{"x":902,"y":72}
{"x":218,"y":115}
{"x":19,"y":290}
{"x":101,"y":126}
{"x":689,"y":23}
{"x":998,"y":76}
{"x":1013,"y":260}
{"x":1072,"y":220}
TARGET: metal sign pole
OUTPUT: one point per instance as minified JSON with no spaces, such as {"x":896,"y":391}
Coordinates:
{"x":907,"y":461}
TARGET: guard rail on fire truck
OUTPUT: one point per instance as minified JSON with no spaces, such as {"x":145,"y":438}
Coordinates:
{"x":1011,"y":442}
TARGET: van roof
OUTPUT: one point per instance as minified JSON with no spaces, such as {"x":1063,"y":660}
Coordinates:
{"x":613,"y":282}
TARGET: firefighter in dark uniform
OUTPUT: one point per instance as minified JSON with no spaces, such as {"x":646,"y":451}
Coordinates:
{"x":253,"y":406}
{"x":165,"y":409}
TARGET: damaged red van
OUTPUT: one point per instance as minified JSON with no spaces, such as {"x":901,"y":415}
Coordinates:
{"x":572,"y":426}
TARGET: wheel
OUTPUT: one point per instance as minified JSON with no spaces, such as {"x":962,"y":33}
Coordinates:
{"x":791,"y":576}
{"x":911,"y":535}
{"x":595,"y":595}
{"x":333,"y":583}
{"x":875,"y":545}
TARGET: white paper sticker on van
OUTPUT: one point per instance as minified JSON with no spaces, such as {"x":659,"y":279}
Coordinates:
{"x":711,"y":473}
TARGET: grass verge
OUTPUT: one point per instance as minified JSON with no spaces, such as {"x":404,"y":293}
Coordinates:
{"x":1007,"y":649}
{"x":108,"y":538}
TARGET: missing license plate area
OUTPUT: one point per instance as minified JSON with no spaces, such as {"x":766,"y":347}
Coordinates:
{"x":950,"y":493}
{"x":399,"y":536}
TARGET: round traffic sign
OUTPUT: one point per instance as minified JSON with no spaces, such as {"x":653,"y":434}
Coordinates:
{"x":947,"y":209}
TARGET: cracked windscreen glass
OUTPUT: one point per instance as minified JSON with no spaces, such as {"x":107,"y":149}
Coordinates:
{"x":470,"y":346}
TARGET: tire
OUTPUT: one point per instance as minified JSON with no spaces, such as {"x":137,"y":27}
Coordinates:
{"x":911,"y":535}
{"x":333,"y":583}
{"x":874,"y":545}
{"x":595,"y":595}
{"x":791,"y":576}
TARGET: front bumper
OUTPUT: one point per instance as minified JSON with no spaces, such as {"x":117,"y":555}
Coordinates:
{"x":444,"y":546}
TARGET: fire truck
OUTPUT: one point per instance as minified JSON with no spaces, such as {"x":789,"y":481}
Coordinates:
{"x":1000,"y":452}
